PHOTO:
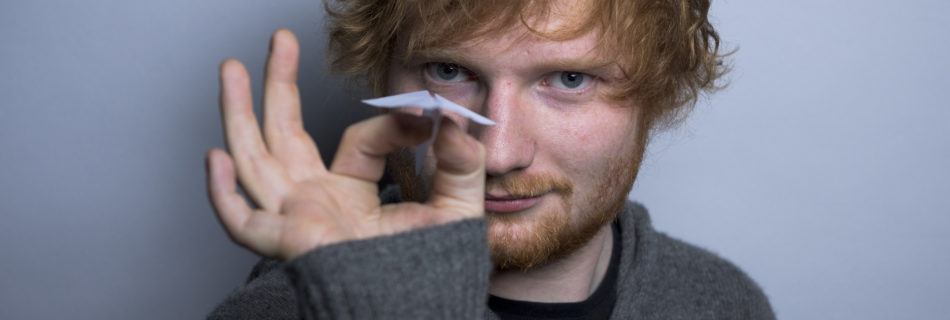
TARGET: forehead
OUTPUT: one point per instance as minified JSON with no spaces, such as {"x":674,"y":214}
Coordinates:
{"x":521,"y":49}
{"x":555,"y":29}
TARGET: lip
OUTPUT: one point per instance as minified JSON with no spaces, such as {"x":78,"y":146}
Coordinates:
{"x":509,"y":204}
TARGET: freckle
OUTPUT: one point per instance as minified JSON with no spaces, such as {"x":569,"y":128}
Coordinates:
{"x":583,"y":137}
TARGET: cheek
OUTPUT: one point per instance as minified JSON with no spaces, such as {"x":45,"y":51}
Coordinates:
{"x":586,"y":147}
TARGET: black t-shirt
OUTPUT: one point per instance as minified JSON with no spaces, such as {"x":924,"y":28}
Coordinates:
{"x":598,"y":306}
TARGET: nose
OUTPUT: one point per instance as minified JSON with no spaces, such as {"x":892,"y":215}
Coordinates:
{"x":509,"y":144}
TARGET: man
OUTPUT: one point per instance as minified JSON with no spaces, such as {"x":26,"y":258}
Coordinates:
{"x":527,"y":219}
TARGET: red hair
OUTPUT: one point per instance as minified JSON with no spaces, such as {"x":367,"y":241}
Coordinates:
{"x":667,"y":48}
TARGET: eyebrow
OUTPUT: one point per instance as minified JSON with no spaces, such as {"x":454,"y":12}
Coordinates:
{"x":439,"y":54}
{"x":597,"y":66}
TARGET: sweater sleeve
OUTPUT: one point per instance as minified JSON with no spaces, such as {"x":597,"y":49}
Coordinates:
{"x":438,"y":272}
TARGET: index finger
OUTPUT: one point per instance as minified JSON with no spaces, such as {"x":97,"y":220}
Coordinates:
{"x":237,"y":110}
{"x":364,"y":146}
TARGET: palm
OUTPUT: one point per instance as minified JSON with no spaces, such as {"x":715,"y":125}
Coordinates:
{"x":303,"y":204}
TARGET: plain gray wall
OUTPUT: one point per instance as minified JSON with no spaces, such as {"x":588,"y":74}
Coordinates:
{"x":821,"y":170}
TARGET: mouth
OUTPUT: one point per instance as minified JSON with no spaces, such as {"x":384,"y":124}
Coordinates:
{"x":508,"y":204}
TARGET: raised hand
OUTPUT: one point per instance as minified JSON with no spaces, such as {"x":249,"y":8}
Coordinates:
{"x":301,"y":205}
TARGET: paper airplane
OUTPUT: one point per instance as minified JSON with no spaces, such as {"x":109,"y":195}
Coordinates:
{"x":432,"y":106}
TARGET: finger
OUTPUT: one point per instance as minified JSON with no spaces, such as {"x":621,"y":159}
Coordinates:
{"x":243,"y":225}
{"x":364,"y":145}
{"x":459,"y":180}
{"x":260,"y":175}
{"x":284,"y":133}
{"x":232,"y":211}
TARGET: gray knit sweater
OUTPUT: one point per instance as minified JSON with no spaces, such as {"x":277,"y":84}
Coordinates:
{"x":442,"y":272}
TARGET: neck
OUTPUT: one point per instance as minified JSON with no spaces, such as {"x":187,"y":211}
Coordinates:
{"x":569,"y":279}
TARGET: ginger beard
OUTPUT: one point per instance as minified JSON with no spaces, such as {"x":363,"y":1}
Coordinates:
{"x":545,"y":233}
{"x":579,"y":198}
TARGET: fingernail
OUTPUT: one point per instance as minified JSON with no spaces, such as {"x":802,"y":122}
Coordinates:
{"x":412,"y":122}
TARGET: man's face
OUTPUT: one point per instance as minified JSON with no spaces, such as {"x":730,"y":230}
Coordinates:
{"x":562,"y":156}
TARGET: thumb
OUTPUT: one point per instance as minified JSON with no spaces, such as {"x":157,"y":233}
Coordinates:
{"x":458,"y":186}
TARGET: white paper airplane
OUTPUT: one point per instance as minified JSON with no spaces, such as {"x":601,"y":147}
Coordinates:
{"x":432,"y":106}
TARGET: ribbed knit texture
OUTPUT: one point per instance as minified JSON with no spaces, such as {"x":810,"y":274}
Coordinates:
{"x":442,"y":272}
{"x":391,"y":277}
{"x":665,"y":278}
{"x":365,"y":280}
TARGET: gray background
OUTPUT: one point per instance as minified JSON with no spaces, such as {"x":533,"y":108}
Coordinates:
{"x":821,"y":170}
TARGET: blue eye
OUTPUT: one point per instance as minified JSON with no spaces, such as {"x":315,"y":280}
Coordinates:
{"x":448,"y":72}
{"x":572,"y":80}
{"x":568,"y":80}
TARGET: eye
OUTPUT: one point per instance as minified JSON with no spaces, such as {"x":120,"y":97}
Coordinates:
{"x":448,"y":72}
{"x":568,"y":80}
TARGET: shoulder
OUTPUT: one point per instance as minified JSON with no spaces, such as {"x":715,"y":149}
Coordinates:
{"x":678,"y":278}
{"x":704,"y":277}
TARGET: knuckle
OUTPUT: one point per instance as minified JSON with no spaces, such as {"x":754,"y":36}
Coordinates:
{"x":296,"y":134}
{"x":351,"y":132}
{"x":247,"y":160}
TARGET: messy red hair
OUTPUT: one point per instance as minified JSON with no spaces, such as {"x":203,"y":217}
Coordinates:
{"x":667,"y":48}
